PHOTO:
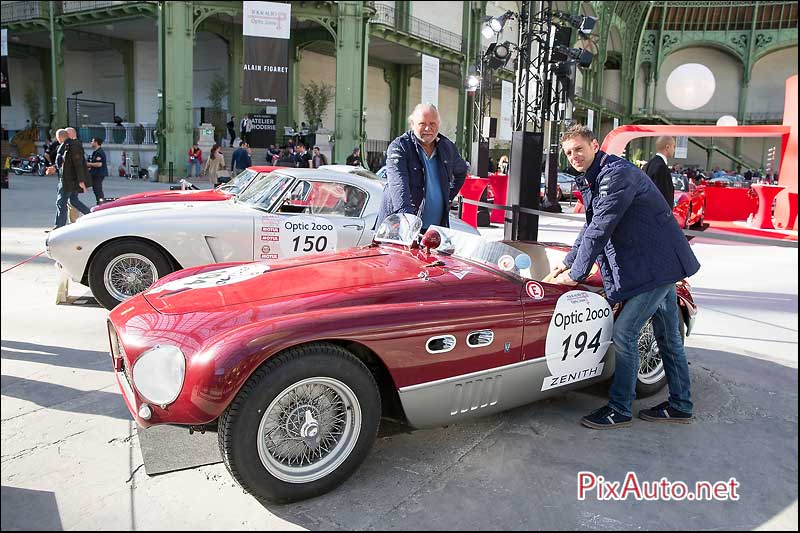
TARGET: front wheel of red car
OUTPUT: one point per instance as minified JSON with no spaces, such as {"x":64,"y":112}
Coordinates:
{"x":651,"y":377}
{"x":302,"y":424}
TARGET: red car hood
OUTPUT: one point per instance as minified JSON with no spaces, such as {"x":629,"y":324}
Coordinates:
{"x":252,"y":282}
{"x":166,"y":196}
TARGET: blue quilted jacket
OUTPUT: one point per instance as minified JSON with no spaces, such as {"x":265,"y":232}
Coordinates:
{"x":405,"y":171}
{"x":629,"y":230}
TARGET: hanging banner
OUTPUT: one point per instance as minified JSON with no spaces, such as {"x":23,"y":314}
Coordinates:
{"x":263,"y":132}
{"x":681,"y":147}
{"x":506,"y":110}
{"x":430,"y":80}
{"x":265,"y":66}
{"x":590,"y":119}
{"x":5,"y":91}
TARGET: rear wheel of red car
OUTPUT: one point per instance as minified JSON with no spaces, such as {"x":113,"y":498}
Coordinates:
{"x":123,"y":269}
{"x":301,"y":424}
{"x":688,"y":217}
{"x":651,"y":377}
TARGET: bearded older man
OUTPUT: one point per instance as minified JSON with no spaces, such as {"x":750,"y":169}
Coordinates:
{"x":424,"y":171}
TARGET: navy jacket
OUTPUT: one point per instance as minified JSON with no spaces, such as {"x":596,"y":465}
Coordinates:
{"x":405,"y":171}
{"x":630,"y":230}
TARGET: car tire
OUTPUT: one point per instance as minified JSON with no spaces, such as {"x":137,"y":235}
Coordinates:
{"x":651,"y":376}
{"x":41,"y":170}
{"x":273,"y":396}
{"x":17,"y":172}
{"x":116,"y":258}
{"x":688,"y":217}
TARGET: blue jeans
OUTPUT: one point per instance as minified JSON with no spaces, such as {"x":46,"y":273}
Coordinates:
{"x":661,"y":304}
{"x":61,"y":205}
{"x":193,"y":169}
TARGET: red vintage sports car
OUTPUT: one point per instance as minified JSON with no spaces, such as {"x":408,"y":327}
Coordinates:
{"x":689,"y":207}
{"x":296,"y":362}
{"x":223,"y":192}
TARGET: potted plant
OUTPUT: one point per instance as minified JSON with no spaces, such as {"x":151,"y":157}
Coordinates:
{"x":217,"y":91}
{"x":316,"y":97}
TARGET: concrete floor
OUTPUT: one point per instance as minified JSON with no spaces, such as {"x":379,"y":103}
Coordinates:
{"x":71,"y":457}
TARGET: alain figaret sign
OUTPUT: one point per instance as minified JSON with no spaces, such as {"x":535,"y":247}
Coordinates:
{"x":265,"y":76}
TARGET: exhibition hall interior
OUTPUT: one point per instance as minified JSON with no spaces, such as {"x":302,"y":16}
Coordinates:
{"x":413,"y":265}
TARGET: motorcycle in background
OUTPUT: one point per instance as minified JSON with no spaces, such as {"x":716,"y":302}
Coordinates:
{"x":35,"y":164}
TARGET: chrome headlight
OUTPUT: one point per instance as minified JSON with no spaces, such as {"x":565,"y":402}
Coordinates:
{"x":158,"y":374}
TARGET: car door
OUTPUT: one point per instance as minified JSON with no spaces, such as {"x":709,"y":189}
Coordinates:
{"x":316,"y":216}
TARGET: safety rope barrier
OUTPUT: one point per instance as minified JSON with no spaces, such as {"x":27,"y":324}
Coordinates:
{"x":23,"y":262}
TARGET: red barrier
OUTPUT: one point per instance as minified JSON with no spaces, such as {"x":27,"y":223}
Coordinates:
{"x":729,"y":203}
{"x":499,"y":183}
{"x":472,"y":190}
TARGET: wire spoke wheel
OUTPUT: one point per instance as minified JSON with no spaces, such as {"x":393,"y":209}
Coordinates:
{"x":129,"y":274}
{"x":309,"y":430}
{"x":651,"y":367}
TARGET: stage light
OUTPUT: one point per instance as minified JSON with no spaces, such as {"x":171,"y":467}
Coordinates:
{"x":473,"y":80}
{"x":497,"y":54}
{"x":494,"y":25}
{"x":583,"y":23}
{"x":584,"y":57}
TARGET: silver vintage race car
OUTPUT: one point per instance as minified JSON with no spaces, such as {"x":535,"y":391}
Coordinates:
{"x":120,"y":252}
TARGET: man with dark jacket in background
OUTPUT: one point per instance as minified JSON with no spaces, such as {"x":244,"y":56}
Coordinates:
{"x":73,"y":175}
{"x":424,"y":171}
{"x":98,"y":168}
{"x":239,"y":158}
{"x":658,"y":168}
{"x":642,"y":254}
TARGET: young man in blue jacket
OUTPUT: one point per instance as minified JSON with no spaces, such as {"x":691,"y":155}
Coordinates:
{"x":424,"y":171}
{"x":642,"y":252}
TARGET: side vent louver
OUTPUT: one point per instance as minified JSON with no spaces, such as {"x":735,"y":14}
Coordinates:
{"x":480,"y":338}
{"x":475,"y":394}
{"x":440,"y":344}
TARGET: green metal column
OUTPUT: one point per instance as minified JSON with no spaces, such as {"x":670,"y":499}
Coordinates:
{"x":740,"y":115}
{"x":128,"y":55}
{"x":235,"y":59}
{"x":59,"y":99}
{"x":176,"y":43}
{"x":401,"y":87}
{"x":465,"y":101}
{"x":47,"y":75}
{"x":287,"y":115}
{"x":392,"y":75}
{"x":351,"y":69}
{"x":402,"y":14}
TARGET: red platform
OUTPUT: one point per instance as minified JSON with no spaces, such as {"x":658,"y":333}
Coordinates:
{"x":766,"y":194}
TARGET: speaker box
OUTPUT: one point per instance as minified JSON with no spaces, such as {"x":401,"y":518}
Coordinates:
{"x":479,"y":163}
{"x":524,"y":183}
{"x":489,"y":127}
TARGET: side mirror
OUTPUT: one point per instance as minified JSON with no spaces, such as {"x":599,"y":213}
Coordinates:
{"x":431,"y":239}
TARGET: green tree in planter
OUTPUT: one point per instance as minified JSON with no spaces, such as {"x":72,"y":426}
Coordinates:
{"x":316,"y":98}
{"x":217,"y":91}
{"x":32,"y":105}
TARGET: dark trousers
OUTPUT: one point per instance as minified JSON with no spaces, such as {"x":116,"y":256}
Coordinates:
{"x":244,"y":136}
{"x":97,"y":187}
{"x":232,"y":135}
